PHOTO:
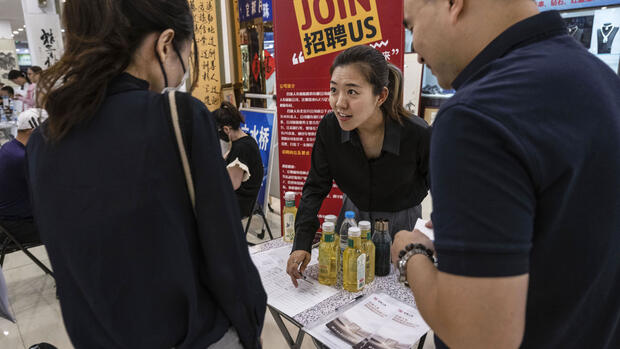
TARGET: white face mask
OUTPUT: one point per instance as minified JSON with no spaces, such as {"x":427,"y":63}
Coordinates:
{"x":180,"y":87}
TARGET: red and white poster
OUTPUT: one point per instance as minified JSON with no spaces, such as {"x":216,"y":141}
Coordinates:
{"x":309,"y":34}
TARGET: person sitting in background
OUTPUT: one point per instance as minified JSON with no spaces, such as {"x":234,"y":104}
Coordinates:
{"x":7,"y":91}
{"x":243,"y":160}
{"x":15,"y":208}
{"x":26,"y":91}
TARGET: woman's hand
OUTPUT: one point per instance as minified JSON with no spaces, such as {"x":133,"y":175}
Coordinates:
{"x":296,"y":265}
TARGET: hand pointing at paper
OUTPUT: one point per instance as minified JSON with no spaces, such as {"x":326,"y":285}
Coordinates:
{"x":296,"y":265}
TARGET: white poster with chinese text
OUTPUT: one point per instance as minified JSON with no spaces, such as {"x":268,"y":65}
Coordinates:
{"x":44,"y":39}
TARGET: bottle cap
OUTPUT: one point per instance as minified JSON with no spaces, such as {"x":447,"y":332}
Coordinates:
{"x":378,"y":225}
{"x":289,"y":195}
{"x":328,"y":227}
{"x":331,"y":218}
{"x":364,"y":225}
{"x":349,"y":214}
{"x":386,"y":225}
{"x":355,"y":232}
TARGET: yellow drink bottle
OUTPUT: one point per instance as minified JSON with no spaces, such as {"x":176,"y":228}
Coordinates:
{"x":328,"y":256}
{"x":289,"y":213}
{"x":354,"y":263}
{"x":368,"y":247}
{"x":333,"y":219}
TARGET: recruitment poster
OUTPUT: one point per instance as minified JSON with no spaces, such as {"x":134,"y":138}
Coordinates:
{"x":309,"y":34}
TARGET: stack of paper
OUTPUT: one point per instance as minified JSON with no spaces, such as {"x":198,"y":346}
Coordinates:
{"x":281,"y":294}
{"x":377,"y":321}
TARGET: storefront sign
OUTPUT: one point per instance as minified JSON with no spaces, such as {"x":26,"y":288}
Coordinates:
{"x":259,"y":125}
{"x":209,"y":80}
{"x":562,"y":5}
{"x":250,"y":9}
{"x":303,"y":56}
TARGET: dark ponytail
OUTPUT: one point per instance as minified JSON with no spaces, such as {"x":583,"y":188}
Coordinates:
{"x":379,"y":73}
{"x":393,"y":105}
{"x":101,"y":38}
{"x":228,"y":115}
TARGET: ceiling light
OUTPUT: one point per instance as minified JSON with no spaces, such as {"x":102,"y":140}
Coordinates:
{"x":20,"y":29}
{"x":15,"y":32}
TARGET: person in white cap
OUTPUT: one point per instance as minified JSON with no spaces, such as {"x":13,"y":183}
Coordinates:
{"x":15,"y":207}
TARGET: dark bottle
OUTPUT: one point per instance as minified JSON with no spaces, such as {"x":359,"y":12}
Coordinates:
{"x":383,"y":242}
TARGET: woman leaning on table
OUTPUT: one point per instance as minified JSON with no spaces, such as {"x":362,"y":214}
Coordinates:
{"x":375,"y":151}
{"x":135,"y":264}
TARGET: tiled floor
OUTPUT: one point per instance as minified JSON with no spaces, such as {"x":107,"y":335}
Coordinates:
{"x":33,"y":300}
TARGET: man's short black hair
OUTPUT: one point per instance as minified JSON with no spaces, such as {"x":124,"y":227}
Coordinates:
{"x":14,"y":74}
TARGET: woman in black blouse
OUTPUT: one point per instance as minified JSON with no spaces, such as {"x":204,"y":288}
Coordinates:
{"x":243,"y":160}
{"x":375,"y":151}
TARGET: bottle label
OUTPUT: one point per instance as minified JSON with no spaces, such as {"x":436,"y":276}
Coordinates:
{"x":329,"y":237}
{"x":289,"y":203}
{"x":361,"y":271}
{"x":289,"y":227}
{"x":351,"y":243}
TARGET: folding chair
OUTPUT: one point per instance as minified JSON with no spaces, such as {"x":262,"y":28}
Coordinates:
{"x":10,"y":244}
{"x":257,"y":209}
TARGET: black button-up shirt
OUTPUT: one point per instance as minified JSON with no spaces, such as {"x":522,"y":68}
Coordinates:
{"x":395,"y":181}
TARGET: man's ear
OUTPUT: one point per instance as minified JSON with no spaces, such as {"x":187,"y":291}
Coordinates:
{"x":456,"y":9}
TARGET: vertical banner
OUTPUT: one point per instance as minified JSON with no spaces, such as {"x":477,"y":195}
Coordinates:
{"x":267,"y":13}
{"x":209,"y":80}
{"x":309,"y":34}
{"x":259,"y":124}
{"x":44,"y":39}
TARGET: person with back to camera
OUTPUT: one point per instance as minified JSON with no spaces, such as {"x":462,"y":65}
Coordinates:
{"x":375,"y":151}
{"x":243,"y":160}
{"x":136,"y":266}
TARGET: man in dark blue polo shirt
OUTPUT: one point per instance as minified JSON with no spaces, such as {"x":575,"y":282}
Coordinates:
{"x":15,"y":208}
{"x":525,"y":178}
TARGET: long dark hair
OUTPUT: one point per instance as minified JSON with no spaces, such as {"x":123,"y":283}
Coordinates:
{"x":101,"y":38}
{"x":228,"y":115}
{"x":379,"y":73}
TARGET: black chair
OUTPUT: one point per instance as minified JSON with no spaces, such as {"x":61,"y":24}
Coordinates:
{"x":10,"y":244}
{"x":257,"y":209}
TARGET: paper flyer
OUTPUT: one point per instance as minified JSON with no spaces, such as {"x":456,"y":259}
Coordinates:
{"x":377,"y":321}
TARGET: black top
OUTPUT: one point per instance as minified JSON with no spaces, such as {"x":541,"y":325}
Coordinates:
{"x":525,"y":164}
{"x":396,"y":180}
{"x":134,"y":268}
{"x":14,"y":194}
{"x":245,"y":154}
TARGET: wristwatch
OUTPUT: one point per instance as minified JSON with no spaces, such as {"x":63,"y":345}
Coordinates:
{"x":410,"y":251}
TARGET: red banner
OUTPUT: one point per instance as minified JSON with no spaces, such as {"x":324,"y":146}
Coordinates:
{"x":309,"y":34}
